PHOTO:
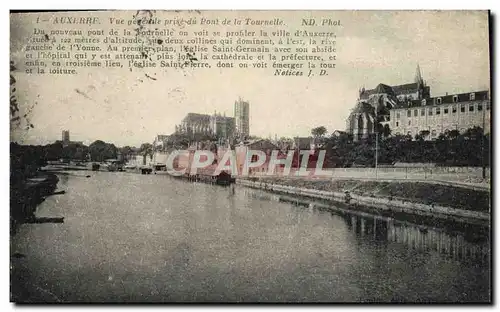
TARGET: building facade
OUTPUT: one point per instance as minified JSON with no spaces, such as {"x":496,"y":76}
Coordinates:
{"x":195,"y":123}
{"x":409,"y":109}
{"x":373,"y":106}
{"x":242,"y":118}
{"x":219,"y":126}
{"x":433,"y":116}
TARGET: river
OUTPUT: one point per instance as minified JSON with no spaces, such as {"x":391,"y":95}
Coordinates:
{"x":152,"y":238}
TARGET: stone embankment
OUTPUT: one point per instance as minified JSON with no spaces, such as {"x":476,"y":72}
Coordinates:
{"x":430,"y":200}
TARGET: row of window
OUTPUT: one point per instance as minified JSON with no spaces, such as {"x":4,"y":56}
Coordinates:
{"x":446,"y":110}
{"x":439,"y":100}
{"x":397,"y":123}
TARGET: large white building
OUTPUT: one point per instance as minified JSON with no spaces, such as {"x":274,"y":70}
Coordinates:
{"x":433,"y":116}
{"x":409,"y":109}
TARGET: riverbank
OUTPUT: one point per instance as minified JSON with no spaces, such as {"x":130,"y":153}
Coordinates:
{"x":433,"y":200}
{"x":27,"y":194}
{"x":58,"y":167}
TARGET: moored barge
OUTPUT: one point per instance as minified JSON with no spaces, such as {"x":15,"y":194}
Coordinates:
{"x":222,"y":178}
{"x":209,"y":175}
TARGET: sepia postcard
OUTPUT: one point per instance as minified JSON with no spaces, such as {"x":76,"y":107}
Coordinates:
{"x":250,"y":157}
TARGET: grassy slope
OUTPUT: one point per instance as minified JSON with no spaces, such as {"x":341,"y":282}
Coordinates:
{"x":450,"y":196}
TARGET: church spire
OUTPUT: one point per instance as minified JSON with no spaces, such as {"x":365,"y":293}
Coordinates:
{"x":418,"y":76}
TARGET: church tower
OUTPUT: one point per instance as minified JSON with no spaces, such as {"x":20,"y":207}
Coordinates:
{"x":418,"y":75}
{"x":420,"y":82}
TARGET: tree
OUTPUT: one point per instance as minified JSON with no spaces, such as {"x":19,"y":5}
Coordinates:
{"x":319,"y":136}
{"x":146,"y":149}
{"x":424,"y":133}
{"x":474,"y":133}
{"x":318,"y":132}
{"x":75,"y":151}
{"x":178,"y":140}
{"x":286,"y":140}
{"x":16,"y":120}
{"x":53,"y":151}
{"x":394,"y":148}
{"x":337,"y":149}
{"x":126,"y":151}
{"x":100,"y":151}
{"x":453,"y":134}
{"x":81,"y":152}
{"x":363,"y":154}
{"x":386,"y":131}
{"x":285,"y":143}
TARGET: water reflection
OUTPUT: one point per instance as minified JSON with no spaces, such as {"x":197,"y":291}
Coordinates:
{"x":466,"y":245}
{"x":129,"y":237}
{"x":418,"y":238}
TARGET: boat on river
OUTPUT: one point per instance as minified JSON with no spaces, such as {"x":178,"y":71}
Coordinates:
{"x":113,"y":165}
{"x":145,"y":170}
{"x":208,"y":175}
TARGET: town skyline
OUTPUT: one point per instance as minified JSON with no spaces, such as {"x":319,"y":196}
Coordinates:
{"x":228,"y":113}
{"x":127,"y":108}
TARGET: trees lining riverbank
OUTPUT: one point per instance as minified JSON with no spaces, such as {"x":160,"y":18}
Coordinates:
{"x":28,"y":186}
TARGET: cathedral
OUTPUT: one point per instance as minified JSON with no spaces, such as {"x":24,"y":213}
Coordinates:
{"x":218,"y":125}
{"x":373,"y":106}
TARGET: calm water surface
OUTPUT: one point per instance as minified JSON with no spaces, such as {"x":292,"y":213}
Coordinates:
{"x":130,"y":237}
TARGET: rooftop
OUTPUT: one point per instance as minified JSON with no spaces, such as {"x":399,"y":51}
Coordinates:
{"x":195,"y":117}
{"x":395,"y":90}
{"x":449,"y":99}
{"x":383,"y":88}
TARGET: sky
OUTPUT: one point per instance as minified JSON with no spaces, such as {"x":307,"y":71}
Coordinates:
{"x":126,"y":108}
